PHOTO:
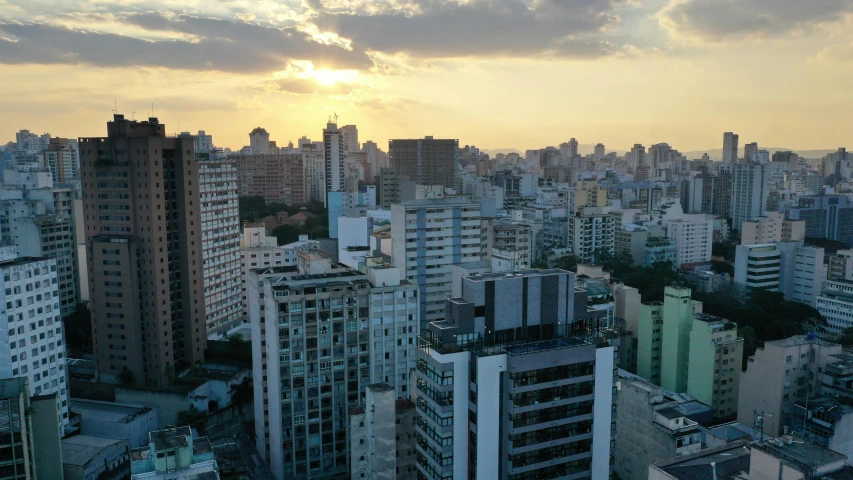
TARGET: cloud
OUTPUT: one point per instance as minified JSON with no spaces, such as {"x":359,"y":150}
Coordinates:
{"x":835,"y":53}
{"x":307,"y":86}
{"x":448,"y":28}
{"x":210,"y":44}
{"x":722,"y":20}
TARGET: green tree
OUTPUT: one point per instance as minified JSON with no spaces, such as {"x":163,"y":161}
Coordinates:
{"x":287,"y":233}
{"x":126,"y":377}
{"x":78,"y":329}
{"x":749,"y":343}
{"x":569,"y":262}
{"x":725,"y":250}
{"x":722,"y":267}
{"x":846,"y":337}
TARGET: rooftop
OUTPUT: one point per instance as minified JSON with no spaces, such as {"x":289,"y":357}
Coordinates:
{"x":799,"y":452}
{"x":82,"y":449}
{"x":108,"y":411}
{"x":220,"y":373}
{"x":170,"y":438}
{"x":799,"y":340}
{"x":439,"y":202}
{"x":719,"y":463}
{"x":476,"y":277}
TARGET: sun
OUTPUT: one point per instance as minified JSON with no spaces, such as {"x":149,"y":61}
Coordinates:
{"x":330,"y":77}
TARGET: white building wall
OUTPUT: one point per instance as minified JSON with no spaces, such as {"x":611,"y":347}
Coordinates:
{"x":489,"y":370}
{"x":602,"y":411}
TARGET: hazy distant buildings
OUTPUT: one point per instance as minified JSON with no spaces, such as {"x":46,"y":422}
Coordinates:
{"x":277,"y":178}
{"x":259,"y":141}
{"x":144,"y":251}
{"x":426,"y":161}
{"x":350,"y":138}
{"x":60,"y":158}
{"x":750,"y":190}
{"x":826,"y":216}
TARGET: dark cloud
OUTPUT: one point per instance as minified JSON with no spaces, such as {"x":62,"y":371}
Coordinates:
{"x":719,"y":20}
{"x":221,"y":45}
{"x":444,"y":29}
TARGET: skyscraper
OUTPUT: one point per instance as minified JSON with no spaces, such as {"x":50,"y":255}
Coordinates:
{"x":730,"y":147}
{"x":750,"y":152}
{"x":333,"y":144}
{"x":599,"y":151}
{"x":144,"y":245}
{"x":750,"y":190}
{"x":350,"y":133}
{"x":61,"y":159}
{"x":426,"y":161}
{"x":637,"y":156}
{"x":659,"y":155}
{"x":259,"y":140}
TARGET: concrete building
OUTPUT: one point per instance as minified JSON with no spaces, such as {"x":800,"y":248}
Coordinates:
{"x":657,"y":250}
{"x":826,"y":421}
{"x":649,"y":341}
{"x":220,"y":237}
{"x":311,"y":360}
{"x":144,"y":251}
{"x":116,"y":420}
{"x":313,"y":165}
{"x":88,"y":457}
{"x":778,"y":375}
{"x":277,"y":178}
{"x":333,"y":159}
{"x":692,"y":236}
{"x":713,"y":367}
{"x":772,"y":228}
{"x":60,"y":158}
{"x":750,"y":190}
{"x":730,"y":147}
{"x":34,"y":345}
{"x":507,"y":244}
{"x":382,"y":439}
{"x":678,"y":318}
{"x":426,"y":161}
{"x":725,"y":462}
{"x":631,"y":239}
{"x":649,"y":428}
{"x":16,"y":431}
{"x":174,"y":453}
{"x":394,"y":326}
{"x":758,"y":266}
{"x":350,"y":136}
{"x":592,"y":230}
{"x":710,"y":194}
{"x":826,"y":216}
{"x":39,"y":217}
{"x":589,"y":194}
{"x":840,"y":265}
{"x":259,"y":141}
{"x":523,"y":394}
{"x":835,"y":303}
{"x":429,"y":236}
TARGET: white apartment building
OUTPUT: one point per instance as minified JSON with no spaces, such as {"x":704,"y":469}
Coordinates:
{"x":39,"y":219}
{"x":220,"y":237}
{"x":750,"y":190}
{"x":60,"y":158}
{"x":692,"y":236}
{"x":788,"y":267}
{"x":313,"y":163}
{"x":593,"y":229}
{"x":428,"y":236}
{"x":34,"y":342}
{"x":394,"y":327}
{"x":758,"y":266}
{"x":772,"y":228}
{"x":835,"y":303}
{"x":257,"y":250}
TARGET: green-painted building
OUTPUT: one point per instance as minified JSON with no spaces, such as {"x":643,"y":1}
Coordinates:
{"x":678,"y":310}
{"x":649,"y":340}
{"x":713,"y":372}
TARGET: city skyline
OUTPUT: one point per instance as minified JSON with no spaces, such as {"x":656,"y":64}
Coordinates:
{"x":615,"y":72}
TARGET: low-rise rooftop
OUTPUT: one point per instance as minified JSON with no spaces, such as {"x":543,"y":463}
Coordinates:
{"x":81,"y":449}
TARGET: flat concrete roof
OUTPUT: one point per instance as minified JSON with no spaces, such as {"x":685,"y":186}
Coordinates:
{"x":108,"y":411}
{"x":82,"y":449}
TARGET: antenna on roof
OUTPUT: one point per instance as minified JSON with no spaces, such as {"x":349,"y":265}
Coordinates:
{"x":115,"y":106}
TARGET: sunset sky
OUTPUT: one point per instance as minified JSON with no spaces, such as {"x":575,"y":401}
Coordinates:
{"x":492,"y":73}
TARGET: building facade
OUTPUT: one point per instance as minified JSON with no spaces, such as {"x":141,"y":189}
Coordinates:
{"x":143,"y":236}
{"x":692,"y":237}
{"x":426,"y":161}
{"x":590,"y":231}
{"x":428,"y":236}
{"x":713,"y":369}
{"x":277,"y":178}
{"x":750,"y":191}
{"x":60,"y":158}
{"x":382,"y":442}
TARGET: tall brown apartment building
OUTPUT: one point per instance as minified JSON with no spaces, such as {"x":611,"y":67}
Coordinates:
{"x":278,"y":178}
{"x":426,"y":161}
{"x":143,"y":241}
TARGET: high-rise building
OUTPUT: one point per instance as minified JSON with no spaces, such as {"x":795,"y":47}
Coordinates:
{"x":334,"y":155}
{"x":637,"y":157}
{"x":311,"y":358}
{"x":589,"y":232}
{"x":750,"y":190}
{"x":314,"y":166}
{"x":16,"y":430}
{"x":382,"y":436}
{"x":678,"y":312}
{"x":750,"y":152}
{"x":772,"y":228}
{"x":692,"y":236}
{"x":40,"y":219}
{"x":203,"y":142}
{"x":588,"y":193}
{"x":509,"y":384}
{"x":599,"y":151}
{"x":425,"y":161}
{"x":220,"y":237}
{"x":259,"y":141}
{"x":714,"y":364}
{"x":788,"y":267}
{"x":429,"y":236}
{"x":569,"y":150}
{"x":141,"y":192}
{"x":31,"y":142}
{"x":780,"y":374}
{"x":730,"y":147}
{"x":659,"y":155}
{"x":835,"y":303}
{"x":826,"y":216}
{"x":710,"y":194}
{"x":36,"y":343}
{"x":350,"y":137}
{"x":277,"y":178}
{"x":60,"y":158}
{"x":840,"y":265}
